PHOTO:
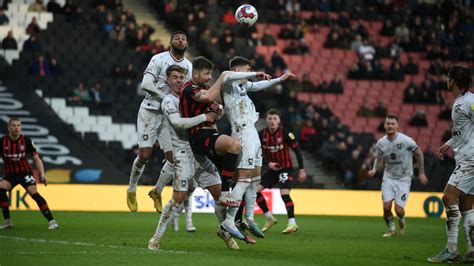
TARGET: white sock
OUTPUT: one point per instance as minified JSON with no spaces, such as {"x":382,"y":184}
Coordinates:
{"x":168,"y":213}
{"x":237,"y":194}
{"x":251,"y":197}
{"x":390,"y":223}
{"x":137,"y":170}
{"x":220,"y":210}
{"x":188,"y":208}
{"x":401,"y":221}
{"x":268,"y":215}
{"x":468,"y":217}
{"x":453,"y":218}
{"x":166,"y":175}
{"x":291,"y":221}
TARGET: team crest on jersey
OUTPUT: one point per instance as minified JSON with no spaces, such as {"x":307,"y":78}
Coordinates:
{"x":183,"y":183}
{"x":145,"y":137}
{"x":292,"y":136}
{"x":279,"y":140}
{"x":393,"y":156}
{"x":399,"y":146}
{"x":22,"y":147}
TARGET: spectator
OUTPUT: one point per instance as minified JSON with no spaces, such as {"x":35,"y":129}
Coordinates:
{"x":117,"y":34}
{"x":445,"y":114}
{"x":53,"y":7}
{"x":32,"y":44}
{"x":307,"y":134}
{"x":366,"y":51}
{"x":3,"y":18}
{"x":130,"y":72}
{"x":55,"y":67}
{"x":147,"y":30}
{"x":98,"y":95}
{"x":356,"y":43}
{"x":292,"y":49}
{"x":37,"y":6}
{"x":72,"y":11}
{"x":396,"y":71}
{"x":226,"y":42}
{"x":40,"y":68}
{"x":334,"y":41}
{"x":364,"y":110}
{"x":229,"y":17}
{"x":402,"y":33}
{"x":254,"y":41}
{"x":419,"y":120}
{"x":411,"y":93}
{"x":267,"y":38}
{"x":437,"y":67}
{"x":380,"y":110}
{"x":130,"y":16}
{"x":411,"y":68}
{"x":116,"y":71}
{"x":351,"y":168}
{"x":290,"y":31}
{"x":139,"y":42}
{"x":9,"y":42}
{"x":277,"y":62}
{"x":306,"y":83}
{"x":336,"y":85}
{"x":108,"y":25}
{"x":33,"y":27}
{"x":81,"y":94}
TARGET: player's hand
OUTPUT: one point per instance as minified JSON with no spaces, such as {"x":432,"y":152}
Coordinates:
{"x":43,"y":180}
{"x":274,"y":166}
{"x":302,"y":175}
{"x":288,"y":76}
{"x":263,"y":76}
{"x":372,"y":172}
{"x":442,"y":151}
{"x":423,"y":179}
{"x":211,"y":117}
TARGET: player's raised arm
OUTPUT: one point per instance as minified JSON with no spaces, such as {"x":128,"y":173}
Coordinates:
{"x":265,"y":84}
{"x":182,"y":123}
{"x":148,"y":85}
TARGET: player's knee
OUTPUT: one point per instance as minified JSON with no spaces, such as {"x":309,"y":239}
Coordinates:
{"x":234,"y":147}
{"x":3,"y":194}
{"x":387,"y":207}
{"x":399,"y":210}
{"x":448,"y":200}
{"x":169,"y":156}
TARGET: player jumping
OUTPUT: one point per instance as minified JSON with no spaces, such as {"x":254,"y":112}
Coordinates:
{"x":187,"y":168}
{"x":17,"y":170}
{"x":276,"y":142}
{"x":459,"y":192}
{"x":394,"y":155}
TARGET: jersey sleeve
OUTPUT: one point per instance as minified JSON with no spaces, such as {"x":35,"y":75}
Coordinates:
{"x":169,"y":107}
{"x":153,"y":67}
{"x":30,"y":147}
{"x":290,"y":138}
{"x":411,"y":144}
{"x":378,"y":150}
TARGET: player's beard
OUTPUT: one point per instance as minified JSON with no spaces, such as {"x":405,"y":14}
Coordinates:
{"x":179,"y":51}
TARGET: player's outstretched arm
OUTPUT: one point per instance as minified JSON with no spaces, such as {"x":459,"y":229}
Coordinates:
{"x":265,"y":84}
{"x":210,"y":95}
{"x":182,"y":123}
{"x":39,"y":165}
{"x":148,"y":85}
{"x":421,"y":166}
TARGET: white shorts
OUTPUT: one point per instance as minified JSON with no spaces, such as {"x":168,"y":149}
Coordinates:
{"x":251,"y":152}
{"x":188,"y":170}
{"x":397,"y":190}
{"x":463,"y":177}
{"x":151,"y":128}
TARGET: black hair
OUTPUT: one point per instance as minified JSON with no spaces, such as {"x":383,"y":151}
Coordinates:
{"x":273,"y":112}
{"x":238,"y":61}
{"x":200,"y":63}
{"x":178,"y":32}
{"x":461,"y":76}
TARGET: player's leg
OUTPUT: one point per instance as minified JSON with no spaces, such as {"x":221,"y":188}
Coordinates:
{"x":453,"y":217}
{"x":148,"y":122}
{"x":290,"y":210}
{"x":167,"y":171}
{"x":5,"y":186}
{"x":228,"y":149}
{"x":30,"y":185}
{"x":401,"y":199}
{"x":465,"y":204}
{"x":388,"y":196}
{"x":268,"y":181}
{"x":188,"y":207}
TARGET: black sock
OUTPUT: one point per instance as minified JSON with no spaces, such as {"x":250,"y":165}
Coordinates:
{"x":229,"y":162}
{"x":43,"y":206}
{"x":238,"y":215}
{"x":290,"y":207}
{"x":261,"y":202}
{"x":4,"y":203}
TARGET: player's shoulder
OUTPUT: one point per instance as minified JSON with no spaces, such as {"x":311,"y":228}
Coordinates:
{"x":169,"y":98}
{"x":469,"y":100}
{"x":381,"y":141}
{"x":404,"y":137}
{"x":288,"y":133}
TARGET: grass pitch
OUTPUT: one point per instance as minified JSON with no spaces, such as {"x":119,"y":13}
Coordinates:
{"x":87,"y":238}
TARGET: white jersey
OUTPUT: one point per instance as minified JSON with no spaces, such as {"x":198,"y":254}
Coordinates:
{"x":170,"y":105}
{"x":397,"y":156}
{"x":238,"y":106}
{"x":157,"y":68}
{"x":462,"y":140}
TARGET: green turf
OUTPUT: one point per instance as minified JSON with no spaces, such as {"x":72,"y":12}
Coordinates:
{"x":120,"y":238}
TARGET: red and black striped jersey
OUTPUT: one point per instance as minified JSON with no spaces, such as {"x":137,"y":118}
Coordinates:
{"x":189,"y":107}
{"x":276,"y":146}
{"x":15,"y":154}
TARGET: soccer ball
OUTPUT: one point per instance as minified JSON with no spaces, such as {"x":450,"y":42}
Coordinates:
{"x":246,"y":15}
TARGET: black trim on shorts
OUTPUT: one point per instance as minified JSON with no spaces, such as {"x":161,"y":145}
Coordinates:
{"x":15,"y":179}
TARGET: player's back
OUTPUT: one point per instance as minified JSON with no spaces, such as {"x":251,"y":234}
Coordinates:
{"x":157,"y":68}
{"x":189,"y":107}
{"x":463,"y":127}
{"x":238,"y":106}
{"x":397,"y":155}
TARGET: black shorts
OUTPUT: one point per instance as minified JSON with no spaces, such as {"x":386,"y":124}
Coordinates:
{"x":283,"y":178}
{"x":203,"y":142}
{"x":25,"y":179}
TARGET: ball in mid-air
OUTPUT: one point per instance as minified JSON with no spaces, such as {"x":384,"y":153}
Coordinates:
{"x":246,"y":15}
